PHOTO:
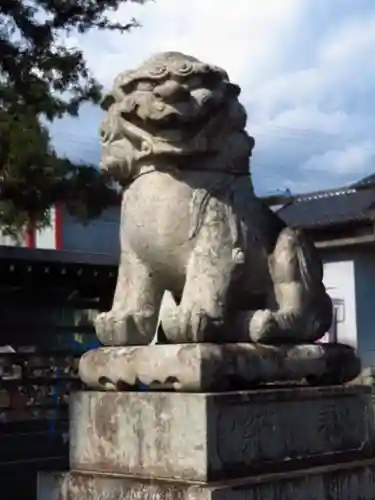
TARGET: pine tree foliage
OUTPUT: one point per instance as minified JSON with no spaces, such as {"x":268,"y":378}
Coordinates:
{"x":41,"y":77}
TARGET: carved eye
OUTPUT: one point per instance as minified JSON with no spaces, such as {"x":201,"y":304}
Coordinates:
{"x":145,"y":86}
{"x":205,"y":95}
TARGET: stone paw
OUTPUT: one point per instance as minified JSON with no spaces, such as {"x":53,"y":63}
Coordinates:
{"x":197,"y":326}
{"x":106,"y":328}
{"x":264,"y":327}
{"x":113,"y":328}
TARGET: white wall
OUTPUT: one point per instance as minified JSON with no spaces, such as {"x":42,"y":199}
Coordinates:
{"x":46,"y":238}
{"x":339,"y":279}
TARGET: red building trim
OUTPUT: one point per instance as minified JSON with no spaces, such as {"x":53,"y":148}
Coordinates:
{"x":58,"y":227}
{"x":30,"y":239}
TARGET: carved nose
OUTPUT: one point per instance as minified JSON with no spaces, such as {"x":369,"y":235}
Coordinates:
{"x":171,"y":91}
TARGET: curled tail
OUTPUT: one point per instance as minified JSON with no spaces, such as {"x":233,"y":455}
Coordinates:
{"x":305,"y":308}
{"x":311,"y":271}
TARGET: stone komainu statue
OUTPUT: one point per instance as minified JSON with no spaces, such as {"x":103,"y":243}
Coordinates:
{"x":174,"y":137}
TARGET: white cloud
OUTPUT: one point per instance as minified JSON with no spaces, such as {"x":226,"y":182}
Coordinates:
{"x":309,"y":118}
{"x":351,"y":160}
{"x":308,"y":106}
{"x":352,"y":40}
{"x":244,"y":36}
{"x":342,"y":64}
{"x":322,"y":108}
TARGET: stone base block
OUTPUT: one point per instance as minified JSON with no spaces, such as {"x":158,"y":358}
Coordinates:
{"x":350,"y":481}
{"x":214,"y":437}
{"x":215,"y":367}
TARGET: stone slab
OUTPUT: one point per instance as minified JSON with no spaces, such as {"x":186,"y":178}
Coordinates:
{"x":212,"y":437}
{"x":350,"y":481}
{"x":215,"y":367}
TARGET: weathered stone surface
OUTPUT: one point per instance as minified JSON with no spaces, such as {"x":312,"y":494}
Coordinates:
{"x":352,"y":481}
{"x":175,"y":136}
{"x":212,"y":367}
{"x":209,"y":437}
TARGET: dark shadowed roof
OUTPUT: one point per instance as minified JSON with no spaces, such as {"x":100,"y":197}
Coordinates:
{"x":368,"y":181}
{"x":56,"y":278}
{"x":326,"y":208}
{"x":60,"y":257}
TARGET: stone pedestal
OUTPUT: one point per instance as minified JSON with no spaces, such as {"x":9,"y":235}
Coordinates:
{"x":338,"y":482}
{"x":215,"y":437}
{"x":276,"y":443}
{"x":216,"y":367}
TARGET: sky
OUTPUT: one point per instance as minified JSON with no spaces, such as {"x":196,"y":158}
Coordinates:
{"x":304,"y":67}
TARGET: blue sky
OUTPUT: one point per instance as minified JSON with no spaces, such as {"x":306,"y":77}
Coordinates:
{"x":304,"y":66}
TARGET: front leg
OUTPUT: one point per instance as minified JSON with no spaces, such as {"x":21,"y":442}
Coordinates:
{"x":201,"y":314}
{"x":134,"y":314}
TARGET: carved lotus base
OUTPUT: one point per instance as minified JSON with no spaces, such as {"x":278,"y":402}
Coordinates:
{"x":216,"y":367}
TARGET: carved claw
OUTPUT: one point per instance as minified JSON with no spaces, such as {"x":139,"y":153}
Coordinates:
{"x":105,"y":328}
{"x":293,"y":326}
{"x":263,"y":326}
{"x":117,"y":328}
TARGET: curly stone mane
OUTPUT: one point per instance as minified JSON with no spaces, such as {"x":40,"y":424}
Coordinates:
{"x":173,"y":107}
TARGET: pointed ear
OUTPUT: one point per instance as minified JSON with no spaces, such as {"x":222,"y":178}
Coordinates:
{"x":252,"y":143}
{"x":233,"y":89}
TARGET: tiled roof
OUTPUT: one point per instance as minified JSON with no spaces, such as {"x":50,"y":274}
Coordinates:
{"x":326,"y":208}
{"x":366,"y":181}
